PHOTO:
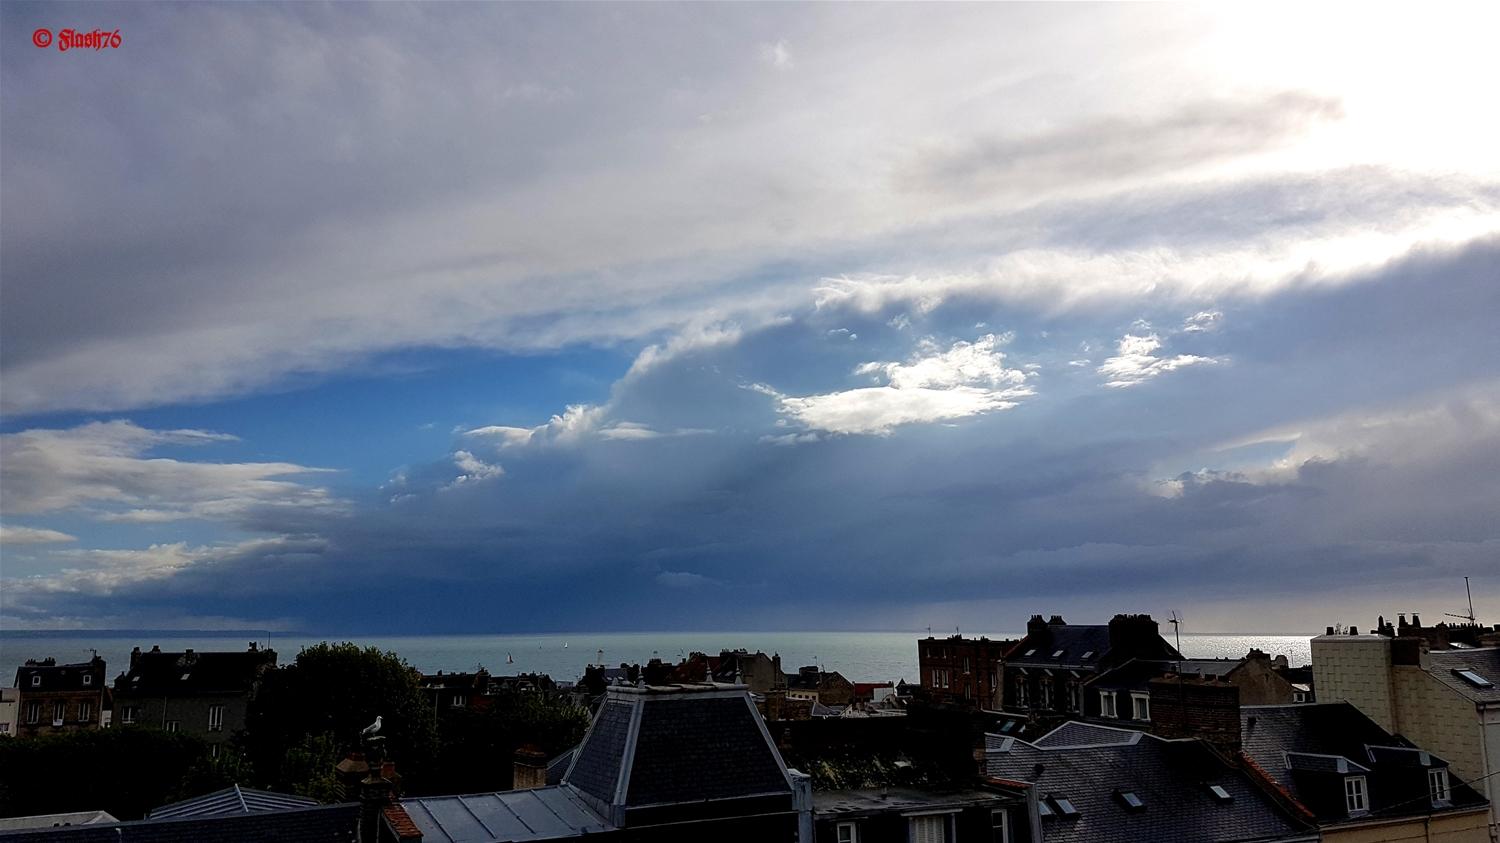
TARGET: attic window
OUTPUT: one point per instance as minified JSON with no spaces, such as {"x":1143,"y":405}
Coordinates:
{"x":1044,"y":809}
{"x":1064,"y":806}
{"x":1087,"y":653}
{"x":1057,"y":655}
{"x":36,"y":679}
{"x":1219,"y":793}
{"x":1473,"y":678}
{"x":88,"y":679}
{"x":1031,"y":652}
{"x":1131,"y":801}
{"x":185,"y":676}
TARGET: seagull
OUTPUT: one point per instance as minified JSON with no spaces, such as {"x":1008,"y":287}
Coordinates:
{"x":372,"y":728}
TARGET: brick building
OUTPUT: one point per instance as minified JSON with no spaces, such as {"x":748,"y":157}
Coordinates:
{"x":962,"y":671}
{"x":52,"y":697}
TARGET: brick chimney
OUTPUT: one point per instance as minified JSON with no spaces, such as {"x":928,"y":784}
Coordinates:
{"x":1196,"y":707}
{"x":1036,"y":627}
{"x":529,"y":770}
{"x":1133,"y":635}
{"x":377,"y":792}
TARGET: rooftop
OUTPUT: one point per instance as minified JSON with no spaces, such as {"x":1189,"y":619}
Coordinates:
{"x":1466,"y":671}
{"x":517,"y":815}
{"x":232,"y":800}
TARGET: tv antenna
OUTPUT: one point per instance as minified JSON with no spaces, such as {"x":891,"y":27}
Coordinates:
{"x":1470,"y":616}
{"x":1176,"y":623}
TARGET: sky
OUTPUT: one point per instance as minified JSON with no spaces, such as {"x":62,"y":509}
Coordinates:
{"x":508,"y":317}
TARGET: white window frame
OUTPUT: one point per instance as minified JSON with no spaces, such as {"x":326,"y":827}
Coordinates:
{"x":846,"y":833}
{"x":59,"y":710}
{"x":127,"y":715}
{"x":34,"y":711}
{"x":1107,"y":704}
{"x":172,"y":726}
{"x":1439,"y":786}
{"x":36,"y":680}
{"x":1023,"y":690}
{"x":966,"y":664}
{"x":1000,"y":825}
{"x":1074,"y":691}
{"x":1046,"y":700}
{"x":1356,"y":795}
{"x":88,"y":679}
{"x":213,"y":750}
{"x":85,"y":711}
{"x":216,"y":718}
{"x":459,"y":701}
{"x":1140,"y":700}
{"x":945,"y":820}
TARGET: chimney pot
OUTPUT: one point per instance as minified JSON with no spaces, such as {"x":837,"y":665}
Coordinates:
{"x":1353,"y":630}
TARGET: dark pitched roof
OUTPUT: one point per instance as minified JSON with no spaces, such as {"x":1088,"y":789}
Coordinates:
{"x":1074,"y":733}
{"x":597,"y":766}
{"x":60,"y":677}
{"x":1063,"y":646}
{"x":541,"y":814}
{"x":1136,"y":674}
{"x":320,"y":824}
{"x":1308,"y":748}
{"x":1171,"y":779}
{"x":558,"y":767}
{"x":190,"y":672}
{"x":232,"y":800}
{"x":1446,"y":665}
{"x":689,"y":750}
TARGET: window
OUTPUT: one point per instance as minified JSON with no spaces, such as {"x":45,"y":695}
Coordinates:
{"x":1140,"y":706}
{"x":847,"y":833}
{"x":58,"y":709}
{"x":1219,"y":793}
{"x":1474,"y":679}
{"x":966,"y":664}
{"x":940,"y":679}
{"x":36,"y":680}
{"x":1130,"y":800}
{"x":928,"y":830}
{"x":88,"y":679}
{"x":1087,"y":653}
{"x":1354,"y":795}
{"x":1023,"y":692}
{"x":1075,"y":695}
{"x":1031,"y":652}
{"x":127,"y":715}
{"x":85,"y":712}
{"x":33,"y":712}
{"x":1000,"y":824}
{"x":1047,"y":694}
{"x":1107,"y":704}
{"x":216,"y":718}
{"x":173,"y":725}
{"x":213,"y":750}
{"x":1057,"y":655}
{"x":1437,"y":785}
{"x":4,"y":728}
{"x":459,"y":700}
{"x":1299,"y":696}
{"x":1064,"y":806}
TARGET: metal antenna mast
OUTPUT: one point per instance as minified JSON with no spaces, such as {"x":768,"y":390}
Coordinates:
{"x":1470,"y":594}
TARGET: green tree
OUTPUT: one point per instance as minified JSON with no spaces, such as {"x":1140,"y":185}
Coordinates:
{"x":308,"y":714}
{"x":477,"y":748}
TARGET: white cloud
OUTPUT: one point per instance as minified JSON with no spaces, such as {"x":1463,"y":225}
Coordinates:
{"x":473,"y":468}
{"x":105,"y":467}
{"x":778,"y":55}
{"x":1136,"y":361}
{"x":967,"y":379}
{"x":1202,"y":322}
{"x":32,"y":535}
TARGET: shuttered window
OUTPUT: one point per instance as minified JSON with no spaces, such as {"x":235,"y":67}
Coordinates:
{"x":929,"y":830}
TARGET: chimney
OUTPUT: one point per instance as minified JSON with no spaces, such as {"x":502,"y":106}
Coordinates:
{"x":376,"y":793}
{"x":135,"y":653}
{"x":1056,"y":620}
{"x":1353,"y":630}
{"x":1133,"y":635}
{"x":349,"y":773}
{"x":1036,"y":626}
{"x":529,"y":770}
{"x":1196,"y":707}
{"x":1415,"y":621}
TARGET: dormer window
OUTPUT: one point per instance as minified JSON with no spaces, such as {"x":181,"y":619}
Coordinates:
{"x":1107,"y":704}
{"x":1140,"y":706}
{"x":1355,"y":795}
{"x":88,"y":680}
{"x":36,"y":680}
{"x":1437,"y":785}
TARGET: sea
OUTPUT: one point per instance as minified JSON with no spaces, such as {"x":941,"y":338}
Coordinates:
{"x":859,"y":656}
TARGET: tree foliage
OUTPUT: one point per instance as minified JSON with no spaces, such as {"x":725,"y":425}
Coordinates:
{"x":126,"y":771}
{"x":308,"y":714}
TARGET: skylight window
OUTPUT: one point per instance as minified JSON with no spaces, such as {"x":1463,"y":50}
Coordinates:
{"x":1474,"y":679}
{"x":1219,"y":793}
{"x":1031,"y":652}
{"x":1057,"y":655}
{"x":1064,"y":806}
{"x":1131,"y":800}
{"x":1044,"y":809}
{"x":1087,"y":653}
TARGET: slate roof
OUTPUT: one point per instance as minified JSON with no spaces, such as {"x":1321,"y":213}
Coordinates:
{"x":1073,"y":641}
{"x":1172,"y":780}
{"x":849,"y":804}
{"x":1136,"y":674}
{"x":60,"y":677}
{"x":1308,"y":748}
{"x":1485,"y":662}
{"x":1074,"y":733}
{"x":232,"y":800}
{"x":518,"y":815}
{"x":558,"y":767}
{"x":320,"y":824}
{"x":688,"y":750}
{"x":596,"y":768}
{"x":160,"y":672}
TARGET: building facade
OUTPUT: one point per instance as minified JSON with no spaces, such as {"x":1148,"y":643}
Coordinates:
{"x":962,"y":671}
{"x":52,"y":697}
{"x":206,"y":695}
